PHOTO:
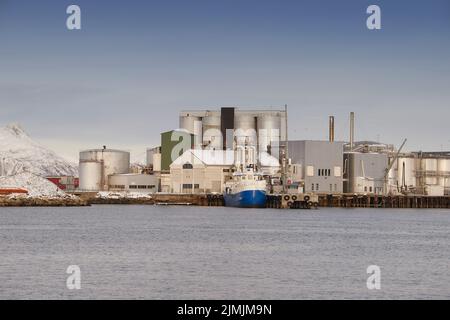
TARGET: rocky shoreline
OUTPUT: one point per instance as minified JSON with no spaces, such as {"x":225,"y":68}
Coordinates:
{"x":43,"y":202}
{"x":93,"y":199}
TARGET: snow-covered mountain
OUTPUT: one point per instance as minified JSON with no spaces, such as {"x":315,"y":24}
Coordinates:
{"x":19,"y":153}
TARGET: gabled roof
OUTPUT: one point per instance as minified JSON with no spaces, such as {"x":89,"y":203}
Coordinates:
{"x":220,"y":158}
{"x":206,"y":157}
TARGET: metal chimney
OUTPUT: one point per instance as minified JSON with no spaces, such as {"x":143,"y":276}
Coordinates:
{"x":352,"y":130}
{"x":331,"y":129}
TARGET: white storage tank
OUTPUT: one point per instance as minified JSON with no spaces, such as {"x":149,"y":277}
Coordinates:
{"x":245,"y":130}
{"x":406,"y":172}
{"x":149,"y":157}
{"x":444,"y":174}
{"x":111,"y":162}
{"x":269,"y":131}
{"x":91,"y":175}
{"x":212,"y":134}
{"x":191,"y":123}
{"x":157,"y":162}
{"x":430,"y":167}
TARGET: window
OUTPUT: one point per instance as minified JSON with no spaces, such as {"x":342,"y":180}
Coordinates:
{"x":310,"y":171}
{"x":370,"y":189}
{"x":365,"y":189}
{"x":312,"y":187}
{"x":337,"y":171}
{"x":117,"y":186}
{"x":133,"y":186}
{"x":318,"y":172}
{"x":187,"y":165}
{"x":317,"y":187}
{"x":189,"y":186}
{"x":142,"y":187}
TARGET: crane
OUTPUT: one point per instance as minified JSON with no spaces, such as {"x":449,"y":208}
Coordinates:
{"x":386,"y":174}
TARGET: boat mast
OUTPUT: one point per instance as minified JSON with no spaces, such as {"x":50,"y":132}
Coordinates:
{"x":285,"y":158}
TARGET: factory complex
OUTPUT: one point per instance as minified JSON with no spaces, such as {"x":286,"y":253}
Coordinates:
{"x":211,"y":145}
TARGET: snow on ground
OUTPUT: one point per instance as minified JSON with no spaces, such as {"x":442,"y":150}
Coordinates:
{"x":36,"y":186}
{"x":122,"y":195}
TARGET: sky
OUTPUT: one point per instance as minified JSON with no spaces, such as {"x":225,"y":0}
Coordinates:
{"x":134,"y":65}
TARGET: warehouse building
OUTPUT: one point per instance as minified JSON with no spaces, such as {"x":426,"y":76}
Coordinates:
{"x":131,"y":182}
{"x":201,"y":171}
{"x":318,"y":164}
{"x":365,"y":172}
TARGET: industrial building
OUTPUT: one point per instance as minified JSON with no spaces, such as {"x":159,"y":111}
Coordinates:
{"x":425,"y":173}
{"x":96,"y":165}
{"x":66,"y":183}
{"x":201,"y":171}
{"x":173,"y":144}
{"x":365,"y":172}
{"x":131,"y":182}
{"x":317,"y":165}
{"x":230,"y":127}
{"x":202,"y":154}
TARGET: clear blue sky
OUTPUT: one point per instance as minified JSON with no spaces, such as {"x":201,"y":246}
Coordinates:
{"x":124,"y":77}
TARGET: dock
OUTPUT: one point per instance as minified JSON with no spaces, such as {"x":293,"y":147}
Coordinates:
{"x":380,"y":201}
{"x":340,"y":200}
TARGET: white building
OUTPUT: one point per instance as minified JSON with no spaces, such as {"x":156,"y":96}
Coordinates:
{"x":131,"y":182}
{"x":201,"y":171}
{"x":206,"y":171}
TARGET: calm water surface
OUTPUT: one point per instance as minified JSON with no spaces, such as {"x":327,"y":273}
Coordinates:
{"x":154,"y":252}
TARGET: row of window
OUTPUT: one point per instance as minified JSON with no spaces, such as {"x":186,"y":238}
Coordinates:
{"x":121,"y":186}
{"x":189,"y":186}
{"x":317,"y":187}
{"x":324,"y":172}
{"x":310,"y":171}
{"x":142,"y":186}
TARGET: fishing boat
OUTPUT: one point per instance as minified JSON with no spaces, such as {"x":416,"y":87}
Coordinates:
{"x":245,"y":190}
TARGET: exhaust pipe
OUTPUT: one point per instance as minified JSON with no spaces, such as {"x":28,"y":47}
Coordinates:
{"x":331,"y":129}
{"x":352,"y":130}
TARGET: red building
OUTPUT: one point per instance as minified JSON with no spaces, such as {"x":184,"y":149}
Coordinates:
{"x":66,"y":183}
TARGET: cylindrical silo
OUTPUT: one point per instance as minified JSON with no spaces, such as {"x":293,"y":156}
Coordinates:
{"x":245,"y":130}
{"x":212,"y":134}
{"x":157,"y":162}
{"x":269,"y":132}
{"x":112,"y":162}
{"x":406,"y":173}
{"x":430,"y":166}
{"x":444,"y":174}
{"x":192,"y":124}
{"x":149,"y":157}
{"x":91,"y":175}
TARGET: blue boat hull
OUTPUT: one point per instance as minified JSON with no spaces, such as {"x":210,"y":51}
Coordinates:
{"x":246,"y":199}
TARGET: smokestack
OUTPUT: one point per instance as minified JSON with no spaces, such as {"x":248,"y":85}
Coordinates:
{"x":352,"y":130}
{"x":331,"y":129}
